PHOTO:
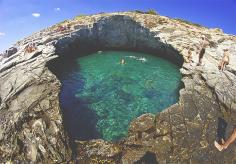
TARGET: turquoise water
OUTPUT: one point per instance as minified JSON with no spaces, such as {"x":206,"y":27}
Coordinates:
{"x":100,"y":96}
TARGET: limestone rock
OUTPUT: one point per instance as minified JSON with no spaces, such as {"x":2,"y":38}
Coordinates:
{"x":142,"y":123}
{"x":98,"y":151}
{"x":31,"y":125}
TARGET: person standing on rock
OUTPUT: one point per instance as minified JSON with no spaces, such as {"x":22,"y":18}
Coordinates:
{"x":225,"y":60}
{"x":189,"y":57}
{"x":224,"y":144}
{"x":203,"y":46}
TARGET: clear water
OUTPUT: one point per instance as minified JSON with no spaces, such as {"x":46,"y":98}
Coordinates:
{"x":100,"y":97}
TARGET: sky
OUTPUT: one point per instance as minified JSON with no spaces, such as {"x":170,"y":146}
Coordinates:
{"x":20,"y":18}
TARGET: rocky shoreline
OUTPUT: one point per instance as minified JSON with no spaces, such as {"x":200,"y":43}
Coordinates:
{"x":31,"y":126}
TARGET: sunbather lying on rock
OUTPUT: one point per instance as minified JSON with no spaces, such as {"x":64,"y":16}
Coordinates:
{"x":224,"y":144}
{"x":61,"y":28}
{"x":224,"y":61}
{"x":30,"y":48}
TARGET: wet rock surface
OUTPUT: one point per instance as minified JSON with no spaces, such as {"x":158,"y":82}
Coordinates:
{"x":31,"y":124}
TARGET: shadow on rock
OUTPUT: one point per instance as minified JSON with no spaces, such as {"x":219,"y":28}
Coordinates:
{"x":148,"y":158}
{"x":79,"y":120}
{"x":221,"y":130}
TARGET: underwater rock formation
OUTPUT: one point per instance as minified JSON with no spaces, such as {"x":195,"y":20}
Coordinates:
{"x":31,"y":125}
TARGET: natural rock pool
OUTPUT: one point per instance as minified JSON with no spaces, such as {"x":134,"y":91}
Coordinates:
{"x":100,"y":96}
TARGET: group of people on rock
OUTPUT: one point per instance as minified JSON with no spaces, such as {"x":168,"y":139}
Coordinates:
{"x":30,"y":48}
{"x":61,"y":28}
{"x":224,"y":61}
{"x":204,"y":44}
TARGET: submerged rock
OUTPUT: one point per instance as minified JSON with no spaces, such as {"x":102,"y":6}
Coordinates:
{"x":31,"y":125}
{"x":142,"y":123}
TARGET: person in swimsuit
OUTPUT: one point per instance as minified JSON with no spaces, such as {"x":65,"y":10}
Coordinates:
{"x":31,"y":47}
{"x":28,"y":48}
{"x":224,"y":144}
{"x":122,"y":62}
{"x":189,"y":57}
{"x":142,"y":59}
{"x":203,"y":49}
{"x":60,"y":28}
{"x":225,"y":60}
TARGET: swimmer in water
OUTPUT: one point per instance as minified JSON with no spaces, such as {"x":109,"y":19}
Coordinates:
{"x":122,"y":62}
{"x":142,"y":59}
{"x":132,"y":57}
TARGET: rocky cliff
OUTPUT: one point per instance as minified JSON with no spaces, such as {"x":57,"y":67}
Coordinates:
{"x":31,"y":124}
